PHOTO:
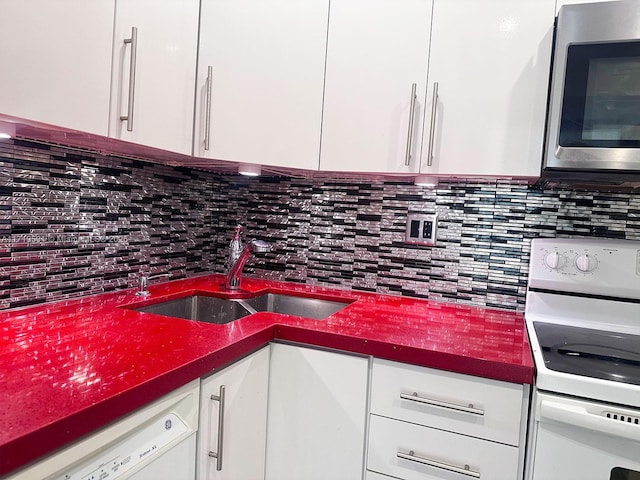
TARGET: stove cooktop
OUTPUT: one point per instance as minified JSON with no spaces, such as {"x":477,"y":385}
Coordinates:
{"x":583,"y":318}
{"x":590,"y":353}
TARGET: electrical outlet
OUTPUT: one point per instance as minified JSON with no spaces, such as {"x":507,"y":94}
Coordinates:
{"x":421,"y":229}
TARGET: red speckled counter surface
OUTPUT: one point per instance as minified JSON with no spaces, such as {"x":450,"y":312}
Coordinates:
{"x":68,"y":368}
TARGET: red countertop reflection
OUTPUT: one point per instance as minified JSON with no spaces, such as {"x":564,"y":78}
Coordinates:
{"x":71,"y":367}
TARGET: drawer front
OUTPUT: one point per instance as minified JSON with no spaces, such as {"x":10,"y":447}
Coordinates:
{"x":459,"y":403}
{"x":436,"y":454}
{"x":369,"y":475}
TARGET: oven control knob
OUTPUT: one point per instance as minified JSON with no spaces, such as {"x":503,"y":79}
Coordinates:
{"x":554,"y":260}
{"x":585,"y":263}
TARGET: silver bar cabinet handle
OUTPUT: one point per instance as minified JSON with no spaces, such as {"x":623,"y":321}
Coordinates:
{"x":207,"y":113}
{"x":218,"y":455}
{"x":412,"y":112}
{"x":432,"y":127}
{"x":412,"y":457}
{"x":132,"y":78}
{"x":414,"y":397}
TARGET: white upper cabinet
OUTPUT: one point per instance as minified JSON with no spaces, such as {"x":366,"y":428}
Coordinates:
{"x":377,"y":56}
{"x":490,"y":62}
{"x":157,"y":41}
{"x":56,"y":61}
{"x":260,"y":80}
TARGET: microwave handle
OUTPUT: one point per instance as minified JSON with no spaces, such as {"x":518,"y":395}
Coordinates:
{"x":577,"y":416}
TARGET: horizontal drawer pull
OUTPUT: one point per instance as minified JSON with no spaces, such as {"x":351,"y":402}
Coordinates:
{"x":437,"y":403}
{"x":412,"y":457}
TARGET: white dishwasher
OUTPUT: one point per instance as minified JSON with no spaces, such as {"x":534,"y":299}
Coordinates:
{"x":157,"y":442}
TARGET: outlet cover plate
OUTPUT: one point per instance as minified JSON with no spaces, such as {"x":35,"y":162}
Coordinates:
{"x":421,"y":229}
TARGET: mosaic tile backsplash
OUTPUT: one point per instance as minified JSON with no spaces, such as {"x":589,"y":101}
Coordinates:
{"x":76,"y":223}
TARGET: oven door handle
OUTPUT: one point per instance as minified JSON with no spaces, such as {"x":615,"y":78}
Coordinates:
{"x":579,"y":417}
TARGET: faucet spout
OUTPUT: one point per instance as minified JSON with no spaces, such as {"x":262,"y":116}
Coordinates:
{"x":234,"y":276}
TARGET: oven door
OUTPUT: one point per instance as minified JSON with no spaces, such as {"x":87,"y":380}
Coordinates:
{"x":577,"y":439}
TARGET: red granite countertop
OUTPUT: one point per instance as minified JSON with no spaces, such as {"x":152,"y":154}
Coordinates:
{"x":68,"y":368}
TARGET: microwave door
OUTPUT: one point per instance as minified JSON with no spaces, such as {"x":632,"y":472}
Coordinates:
{"x":599,"y":125}
{"x":594,"y":109}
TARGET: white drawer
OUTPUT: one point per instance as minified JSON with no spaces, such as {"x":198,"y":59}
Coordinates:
{"x":459,"y":403}
{"x":436,"y":454}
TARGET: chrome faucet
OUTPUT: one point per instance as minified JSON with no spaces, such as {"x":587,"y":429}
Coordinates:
{"x":235,"y":248}
{"x":234,"y":275}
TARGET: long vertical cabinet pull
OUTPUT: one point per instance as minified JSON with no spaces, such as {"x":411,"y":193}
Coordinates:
{"x":207,"y":112}
{"x":218,"y":455}
{"x":132,"y":78}
{"x":432,"y":127}
{"x":412,"y":112}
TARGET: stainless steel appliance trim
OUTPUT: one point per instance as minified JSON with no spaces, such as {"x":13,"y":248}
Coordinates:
{"x":584,"y":24}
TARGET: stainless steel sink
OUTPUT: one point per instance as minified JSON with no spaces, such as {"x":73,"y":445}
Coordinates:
{"x":208,"y":309}
{"x":315,"y":308}
{"x":199,"y":307}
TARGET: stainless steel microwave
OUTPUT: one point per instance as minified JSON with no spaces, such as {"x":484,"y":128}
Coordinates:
{"x":593,"y":122}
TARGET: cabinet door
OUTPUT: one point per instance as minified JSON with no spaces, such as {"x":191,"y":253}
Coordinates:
{"x":490,"y":60}
{"x":377,"y":52}
{"x":266,"y":59}
{"x":159,"y":105}
{"x":317,"y":414}
{"x":243,"y":432}
{"x":56,"y":61}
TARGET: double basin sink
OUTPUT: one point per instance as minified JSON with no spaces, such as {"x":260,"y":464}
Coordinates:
{"x":211,"y":309}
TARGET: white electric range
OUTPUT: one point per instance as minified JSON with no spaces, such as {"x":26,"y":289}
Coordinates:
{"x":583,"y":320}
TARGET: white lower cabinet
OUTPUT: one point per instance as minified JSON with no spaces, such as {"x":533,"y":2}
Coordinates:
{"x":292,"y":412}
{"x":237,"y":396}
{"x":415,"y":452}
{"x":432,"y":424}
{"x":473,"y":406}
{"x":317,"y":414}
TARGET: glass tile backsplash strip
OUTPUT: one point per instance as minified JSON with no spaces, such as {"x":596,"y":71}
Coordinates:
{"x":74,"y":223}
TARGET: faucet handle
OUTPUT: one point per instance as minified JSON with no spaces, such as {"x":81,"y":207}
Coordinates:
{"x":143,"y":283}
